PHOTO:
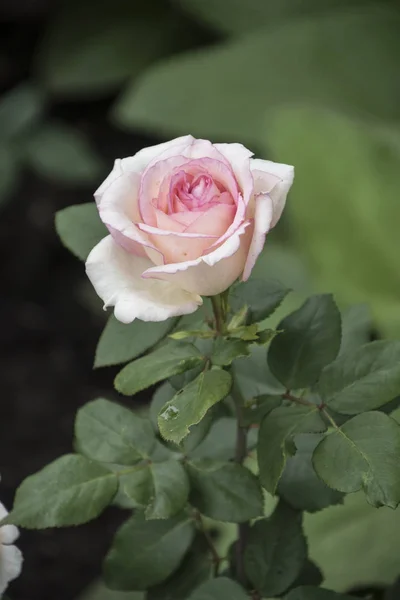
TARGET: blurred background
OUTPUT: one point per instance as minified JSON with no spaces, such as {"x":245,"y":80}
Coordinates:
{"x":314,"y":83}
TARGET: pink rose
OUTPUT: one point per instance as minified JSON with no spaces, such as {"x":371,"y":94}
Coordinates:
{"x":186,"y":219}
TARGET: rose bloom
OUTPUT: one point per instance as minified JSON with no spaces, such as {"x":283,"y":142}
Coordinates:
{"x":186,"y":219}
{"x":10,"y":555}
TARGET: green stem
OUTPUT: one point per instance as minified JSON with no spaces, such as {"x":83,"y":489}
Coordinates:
{"x":215,"y":556}
{"x":219,"y":313}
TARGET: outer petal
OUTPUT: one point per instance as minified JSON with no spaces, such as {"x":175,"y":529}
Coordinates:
{"x":262,"y":224}
{"x":8,"y":533}
{"x":143,"y":158}
{"x":116,"y":276}
{"x":238,"y":157}
{"x":274,"y":179}
{"x":212,"y":273}
{"x":10,"y":565}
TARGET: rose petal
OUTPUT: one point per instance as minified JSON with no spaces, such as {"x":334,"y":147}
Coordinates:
{"x":10,"y":565}
{"x":143,"y":158}
{"x":212,"y":273}
{"x":116,"y":276}
{"x":274,"y":179}
{"x":178,"y":247}
{"x":262,"y":224}
{"x":239,"y":159}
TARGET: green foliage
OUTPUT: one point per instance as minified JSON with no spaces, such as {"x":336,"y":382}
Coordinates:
{"x":362,"y":379}
{"x":224,"y":491}
{"x":195,"y":568}
{"x":276,"y":551}
{"x":330,"y":70}
{"x":60,"y":153}
{"x":83,"y":56}
{"x":363,"y":454}
{"x":259,"y":407}
{"x":299,"y":485}
{"x":311,"y":593}
{"x":120,"y":342}
{"x":219,"y":443}
{"x":262,"y":298}
{"x":275,"y":440}
{"x":225,"y":351}
{"x":170,"y":359}
{"x":162,"y":488}
{"x":69,"y":491}
{"x":80,"y":228}
{"x":9,"y":171}
{"x":347,"y":180}
{"x":356,"y":327}
{"x":20,"y":109}
{"x":215,"y":589}
{"x":189,"y":405}
{"x":159,"y":547}
{"x":252,"y":376}
{"x":310,"y":339}
{"x":110,"y":433}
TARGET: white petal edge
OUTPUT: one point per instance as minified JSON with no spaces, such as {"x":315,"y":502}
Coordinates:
{"x":140,"y":161}
{"x":117,"y":278}
{"x":262,"y":224}
{"x":239,"y":158}
{"x":8,"y":533}
{"x":10,"y":565}
{"x":274,"y":179}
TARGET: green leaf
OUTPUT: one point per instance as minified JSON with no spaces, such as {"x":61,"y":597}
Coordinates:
{"x":349,"y":165}
{"x":225,"y":351}
{"x":62,"y":154}
{"x":276,"y":551}
{"x":80,"y":228}
{"x":356,"y":327}
{"x":219,"y":443}
{"x":329,"y":70}
{"x":120,"y":342}
{"x":252,"y":377}
{"x":225,"y":491}
{"x":69,"y":491}
{"x":310,"y":575}
{"x":259,"y":407}
{"x":299,"y":485}
{"x":219,"y":589}
{"x":20,"y":108}
{"x":362,"y":379}
{"x":144,"y":553}
{"x":261,"y":297}
{"x":171,"y":359}
{"x":363,"y":454}
{"x":98,"y":591}
{"x":108,"y":432}
{"x":275,"y":439}
{"x":135,"y":487}
{"x":195,"y":568}
{"x":309,"y":339}
{"x":171,"y":490}
{"x":82,"y":56}
{"x":189,"y":406}
{"x":314,"y":593}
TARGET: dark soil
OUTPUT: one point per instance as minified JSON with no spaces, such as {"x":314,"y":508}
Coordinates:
{"x":48,"y":332}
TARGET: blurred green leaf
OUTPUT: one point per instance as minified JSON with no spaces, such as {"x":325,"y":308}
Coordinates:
{"x":61,"y":153}
{"x":195,"y":568}
{"x":261,"y":296}
{"x":98,"y":591}
{"x":363,"y":454}
{"x":219,"y":588}
{"x":69,"y":491}
{"x":108,"y":432}
{"x":219,"y":443}
{"x":276,"y":551}
{"x":339,"y":62}
{"x":347,"y":181}
{"x":310,"y":339}
{"x":308,"y":592}
{"x":120,"y":342}
{"x":80,"y":228}
{"x":88,"y":51}
{"x":238,"y":16}
{"x":190,"y":404}
{"x":168,"y":360}
{"x":259,"y":407}
{"x":275,"y":439}
{"x":252,"y":376}
{"x":20,"y":108}
{"x":299,"y":485}
{"x":356,"y":327}
{"x":362,"y":379}
{"x":131,"y":564}
{"x":225,"y":351}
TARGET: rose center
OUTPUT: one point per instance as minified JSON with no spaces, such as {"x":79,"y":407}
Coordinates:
{"x":193,"y":191}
